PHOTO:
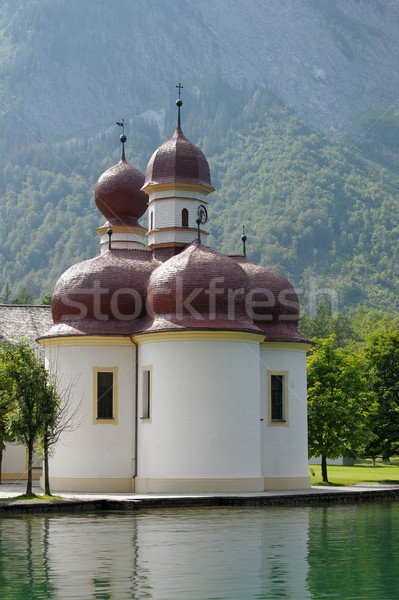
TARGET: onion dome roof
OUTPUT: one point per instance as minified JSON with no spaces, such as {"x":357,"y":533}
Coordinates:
{"x":199,"y":289}
{"x":273,"y":302}
{"x":104,"y":295}
{"x":178,"y":161}
{"x":118,"y":194}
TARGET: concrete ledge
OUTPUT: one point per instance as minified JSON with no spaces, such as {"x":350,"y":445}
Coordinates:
{"x":305,"y":498}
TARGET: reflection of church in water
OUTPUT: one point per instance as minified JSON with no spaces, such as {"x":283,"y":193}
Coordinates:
{"x":189,"y":370}
{"x":183,"y":553}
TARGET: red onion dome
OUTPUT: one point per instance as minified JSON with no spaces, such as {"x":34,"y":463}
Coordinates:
{"x":199,"y":289}
{"x":178,"y":161}
{"x":103,"y":295}
{"x":118,"y":194}
{"x":273,"y":302}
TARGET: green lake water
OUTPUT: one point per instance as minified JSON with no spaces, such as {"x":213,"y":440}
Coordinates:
{"x":346,"y":552}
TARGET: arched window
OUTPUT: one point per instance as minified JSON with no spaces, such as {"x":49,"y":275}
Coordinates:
{"x":151,"y":221}
{"x":184,"y":217}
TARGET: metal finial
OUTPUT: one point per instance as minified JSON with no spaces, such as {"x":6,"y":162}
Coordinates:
{"x":179,"y":103}
{"x":109,"y":231}
{"x":243,"y":239}
{"x":123,"y":137}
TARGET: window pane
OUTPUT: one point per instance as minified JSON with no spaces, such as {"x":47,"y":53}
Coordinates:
{"x":146,"y":394}
{"x":105,"y":383}
{"x":277,"y":397}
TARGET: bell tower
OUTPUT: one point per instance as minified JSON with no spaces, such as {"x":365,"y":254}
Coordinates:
{"x":177,"y":182}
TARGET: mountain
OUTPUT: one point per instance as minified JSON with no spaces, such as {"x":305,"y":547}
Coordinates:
{"x":68,"y":65}
{"x":294,"y":104}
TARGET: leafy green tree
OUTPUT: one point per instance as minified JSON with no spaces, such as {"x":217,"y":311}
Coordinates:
{"x":25,"y":381}
{"x":325,"y":323}
{"x":339,"y":403}
{"x":367,"y":322}
{"x":382,"y":355}
{"x":46,"y":300}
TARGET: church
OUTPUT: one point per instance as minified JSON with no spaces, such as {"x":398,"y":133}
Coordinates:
{"x":185,"y":366}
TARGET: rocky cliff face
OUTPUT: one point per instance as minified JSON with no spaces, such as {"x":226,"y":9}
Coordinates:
{"x":329,"y":59}
{"x":69,"y":65}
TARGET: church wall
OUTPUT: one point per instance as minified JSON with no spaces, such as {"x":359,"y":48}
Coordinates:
{"x":183,"y":236}
{"x":15,"y":463}
{"x":168,"y":214}
{"x":284,"y":445}
{"x":204,"y":410}
{"x":96,"y":451}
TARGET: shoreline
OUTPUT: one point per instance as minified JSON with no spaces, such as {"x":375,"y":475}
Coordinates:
{"x":85,"y":503}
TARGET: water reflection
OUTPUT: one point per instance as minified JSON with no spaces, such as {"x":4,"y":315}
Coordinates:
{"x":202,"y":554}
{"x":353,"y":552}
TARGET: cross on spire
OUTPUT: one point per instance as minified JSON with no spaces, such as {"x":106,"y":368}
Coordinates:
{"x":179,"y":103}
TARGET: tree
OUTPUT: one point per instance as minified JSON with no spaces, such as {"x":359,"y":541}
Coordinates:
{"x":4,"y":410}
{"x":23,"y":296}
{"x":46,"y":300}
{"x":382,"y":355}
{"x":56,"y":417}
{"x":25,"y":381}
{"x":50,"y":411}
{"x":368,"y":322}
{"x":339,"y":403}
{"x":6,"y":294}
{"x":325,"y":323}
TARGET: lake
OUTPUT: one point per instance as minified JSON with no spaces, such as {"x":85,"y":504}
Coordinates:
{"x":346,"y":552}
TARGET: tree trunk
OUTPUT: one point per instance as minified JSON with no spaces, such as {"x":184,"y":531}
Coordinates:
{"x":1,"y":463}
{"x":30,"y":461}
{"x":47,"y":490}
{"x":324,"y":468}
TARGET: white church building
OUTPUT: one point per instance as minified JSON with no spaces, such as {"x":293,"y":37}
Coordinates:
{"x":185,"y":365}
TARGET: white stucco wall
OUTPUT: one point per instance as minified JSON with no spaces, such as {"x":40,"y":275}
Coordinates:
{"x":284,"y":447}
{"x":167,"y":212}
{"x":205,"y":420}
{"x":100,"y":450}
{"x":14,"y":459}
{"x":208,"y":417}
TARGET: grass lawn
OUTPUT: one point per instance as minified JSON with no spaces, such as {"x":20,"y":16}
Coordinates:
{"x":30,"y":497}
{"x":363,"y":471}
